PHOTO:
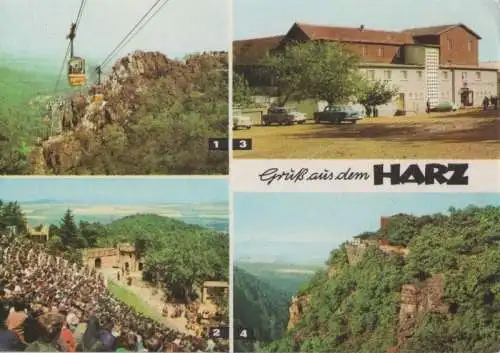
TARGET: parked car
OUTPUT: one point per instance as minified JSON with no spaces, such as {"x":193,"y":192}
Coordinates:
{"x":241,"y":121}
{"x":283,"y":116}
{"x":337,"y":114}
{"x":446,"y":106}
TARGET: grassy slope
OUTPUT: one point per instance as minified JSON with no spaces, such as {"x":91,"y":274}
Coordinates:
{"x":131,"y":299}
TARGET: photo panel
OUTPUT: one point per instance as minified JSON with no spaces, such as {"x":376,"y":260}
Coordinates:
{"x":366,"y":80}
{"x":120,"y":87}
{"x":106,"y":264}
{"x":366,"y":272}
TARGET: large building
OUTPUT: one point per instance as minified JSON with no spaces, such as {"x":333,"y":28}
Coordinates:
{"x":432,"y":64}
{"x":494,"y":65}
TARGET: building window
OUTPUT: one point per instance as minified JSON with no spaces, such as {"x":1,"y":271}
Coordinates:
{"x":398,"y":52}
{"x":381,"y":51}
{"x":478,"y":76}
{"x":445,"y":75}
{"x":464,"y":76}
{"x":363,"y":50}
{"x":404,"y":74}
{"x":419,"y":75}
{"x":371,"y":74}
{"x":469,"y":45}
{"x":387,"y":74}
{"x":450,"y":44}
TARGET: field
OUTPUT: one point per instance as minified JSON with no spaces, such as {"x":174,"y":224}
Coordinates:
{"x":211,"y":215}
{"x":471,"y":134}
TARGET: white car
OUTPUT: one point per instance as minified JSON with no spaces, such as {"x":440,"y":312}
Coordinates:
{"x":283,"y":116}
{"x":241,"y":121}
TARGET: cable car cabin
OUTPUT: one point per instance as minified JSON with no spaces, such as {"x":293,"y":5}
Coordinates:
{"x":97,"y":95}
{"x":76,"y":72}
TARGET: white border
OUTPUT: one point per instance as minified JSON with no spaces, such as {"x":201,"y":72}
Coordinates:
{"x":230,"y":189}
{"x":246,"y":176}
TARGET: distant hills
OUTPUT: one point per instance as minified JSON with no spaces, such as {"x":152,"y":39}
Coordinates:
{"x":214,"y":216}
{"x":262,"y":295}
{"x":46,"y":65}
{"x":260,"y":307}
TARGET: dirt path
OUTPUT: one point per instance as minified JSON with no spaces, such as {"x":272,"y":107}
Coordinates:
{"x":154,"y":301}
{"x":468,"y":134}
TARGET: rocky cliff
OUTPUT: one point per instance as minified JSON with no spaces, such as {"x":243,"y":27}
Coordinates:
{"x":297,"y":307}
{"x":77,"y":122}
{"x":416,"y":300}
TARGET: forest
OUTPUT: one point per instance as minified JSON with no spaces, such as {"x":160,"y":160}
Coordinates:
{"x":260,"y":307}
{"x":356,"y":306}
{"x":192,"y":254}
{"x":152,"y":122}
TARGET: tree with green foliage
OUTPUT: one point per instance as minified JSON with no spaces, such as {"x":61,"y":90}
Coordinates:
{"x":374,"y":93}
{"x":68,"y":231}
{"x":11,"y":215}
{"x":90,"y":232}
{"x":242,"y":92}
{"x":312,"y":70}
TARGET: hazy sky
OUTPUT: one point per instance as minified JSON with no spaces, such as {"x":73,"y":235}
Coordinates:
{"x":305,"y":227}
{"x":255,"y":18}
{"x":38,"y":29}
{"x":116,"y":191}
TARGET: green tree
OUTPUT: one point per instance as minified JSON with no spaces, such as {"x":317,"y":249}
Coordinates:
{"x":11,"y":215}
{"x":312,"y":70}
{"x":374,"y":93}
{"x":242,"y":93}
{"x":90,"y":232}
{"x":68,"y":231}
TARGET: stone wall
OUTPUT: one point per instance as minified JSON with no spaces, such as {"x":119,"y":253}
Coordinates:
{"x":355,"y":253}
{"x":118,"y":257}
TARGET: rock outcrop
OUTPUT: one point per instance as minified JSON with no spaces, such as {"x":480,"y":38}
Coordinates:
{"x":299,"y":303}
{"x":415,"y":300}
{"x":123,"y":91}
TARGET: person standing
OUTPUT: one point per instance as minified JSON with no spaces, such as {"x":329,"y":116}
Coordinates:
{"x":486,"y":103}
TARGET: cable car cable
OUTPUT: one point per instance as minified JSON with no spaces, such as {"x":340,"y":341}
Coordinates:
{"x":125,"y":39}
{"x":63,"y":65}
{"x":106,"y":60}
{"x":66,"y":55}
{"x":145,"y":23}
{"x":80,"y":12}
{"x":77,"y":22}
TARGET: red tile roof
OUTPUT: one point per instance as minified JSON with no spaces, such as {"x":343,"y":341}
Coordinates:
{"x":358,"y":35}
{"x":251,"y":50}
{"x":437,"y":30}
